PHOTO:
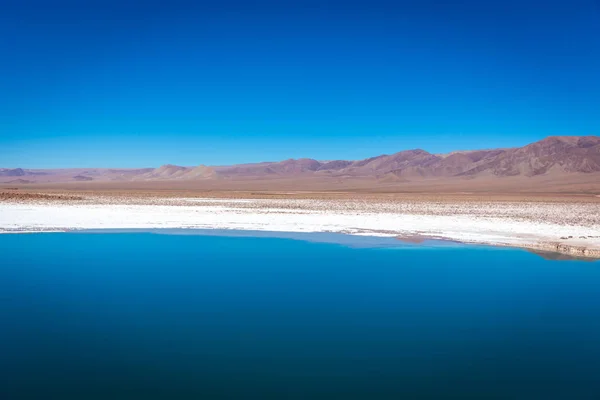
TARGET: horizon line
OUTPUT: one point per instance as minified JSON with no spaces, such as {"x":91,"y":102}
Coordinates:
{"x":302,"y":158}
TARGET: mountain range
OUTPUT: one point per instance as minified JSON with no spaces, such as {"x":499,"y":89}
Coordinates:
{"x":551,"y":157}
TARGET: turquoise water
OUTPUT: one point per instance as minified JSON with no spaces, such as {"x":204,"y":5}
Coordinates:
{"x":139,"y":315}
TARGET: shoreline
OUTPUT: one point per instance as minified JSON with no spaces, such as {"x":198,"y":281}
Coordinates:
{"x":347,"y":239}
{"x":558,"y":227}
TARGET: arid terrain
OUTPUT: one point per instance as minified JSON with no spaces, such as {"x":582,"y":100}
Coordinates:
{"x":568,"y":224}
{"x":544,"y":196}
{"x":553,"y":165}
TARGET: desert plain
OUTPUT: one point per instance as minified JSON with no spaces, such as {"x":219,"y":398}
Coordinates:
{"x":544,"y":196}
{"x":554,"y":222}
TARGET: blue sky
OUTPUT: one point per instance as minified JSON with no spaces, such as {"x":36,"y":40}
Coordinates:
{"x":133,"y":84}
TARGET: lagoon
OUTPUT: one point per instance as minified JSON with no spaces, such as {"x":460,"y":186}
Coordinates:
{"x":143,"y":315}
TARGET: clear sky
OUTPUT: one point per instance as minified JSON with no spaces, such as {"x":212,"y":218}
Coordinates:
{"x":135,"y":84}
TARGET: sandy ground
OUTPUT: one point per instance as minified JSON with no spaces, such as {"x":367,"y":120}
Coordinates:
{"x":582,"y":183}
{"x":566,"y":224}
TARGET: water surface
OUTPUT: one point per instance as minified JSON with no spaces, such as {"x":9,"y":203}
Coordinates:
{"x":139,"y":315}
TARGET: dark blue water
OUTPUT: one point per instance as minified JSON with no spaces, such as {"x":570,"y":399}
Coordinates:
{"x":143,"y":316}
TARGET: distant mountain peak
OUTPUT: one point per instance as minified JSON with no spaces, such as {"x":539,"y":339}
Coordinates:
{"x":550,"y":156}
{"x":12,"y":172}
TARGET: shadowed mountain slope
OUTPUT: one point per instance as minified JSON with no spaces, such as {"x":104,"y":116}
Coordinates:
{"x":553,"y":155}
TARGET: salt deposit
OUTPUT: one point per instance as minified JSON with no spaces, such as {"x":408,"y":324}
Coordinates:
{"x":537,"y":225}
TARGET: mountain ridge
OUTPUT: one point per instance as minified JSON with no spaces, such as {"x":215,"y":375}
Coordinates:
{"x":554,"y":155}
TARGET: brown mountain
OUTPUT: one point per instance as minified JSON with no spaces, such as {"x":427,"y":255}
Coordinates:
{"x":176,"y":172}
{"x":167,"y":171}
{"x":286,"y":167}
{"x":553,"y":155}
{"x":200,"y":172}
{"x":335,"y":165}
{"x":548,"y":158}
{"x":403,"y":160}
{"x":445,"y":165}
